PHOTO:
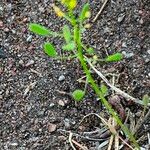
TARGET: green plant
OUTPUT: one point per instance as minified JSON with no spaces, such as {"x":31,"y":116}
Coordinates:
{"x":78,"y":95}
{"x":73,"y":43}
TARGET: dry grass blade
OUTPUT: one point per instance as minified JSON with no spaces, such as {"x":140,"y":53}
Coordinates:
{"x":127,"y":96}
{"x":70,"y":141}
{"x":102,"y":145}
{"x":110,"y":142}
{"x":80,"y":136}
{"x":125,"y":143}
{"x":29,"y":87}
{"x":100,"y":11}
{"x":116,"y":142}
{"x":79,"y":145}
{"x":102,"y":119}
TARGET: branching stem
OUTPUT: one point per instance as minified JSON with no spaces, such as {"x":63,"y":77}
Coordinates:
{"x":77,"y":37}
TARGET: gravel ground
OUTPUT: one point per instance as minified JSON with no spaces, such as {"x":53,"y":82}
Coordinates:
{"x":31,"y":109}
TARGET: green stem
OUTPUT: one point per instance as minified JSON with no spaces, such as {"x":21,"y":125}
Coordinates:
{"x":77,"y":37}
{"x":64,"y":57}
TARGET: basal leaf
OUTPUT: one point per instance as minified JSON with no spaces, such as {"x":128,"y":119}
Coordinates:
{"x":78,"y":95}
{"x":49,"y":49}
{"x":39,"y":29}
{"x":67,"y":33}
{"x":69,"y":47}
{"x":114,"y":57}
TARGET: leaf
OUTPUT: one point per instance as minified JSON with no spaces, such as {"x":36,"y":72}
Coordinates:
{"x":39,"y":29}
{"x":104,"y":89}
{"x":69,"y":47}
{"x":71,"y":4}
{"x":90,"y":50}
{"x":78,"y":95}
{"x":114,"y":57}
{"x":49,"y":49}
{"x":85,"y":9}
{"x":67,"y":33}
{"x":146,"y":100}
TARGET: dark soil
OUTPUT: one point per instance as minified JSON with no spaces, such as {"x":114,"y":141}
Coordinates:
{"x":31,"y":108}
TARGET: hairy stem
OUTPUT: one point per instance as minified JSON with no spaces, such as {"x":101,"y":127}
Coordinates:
{"x":77,"y":37}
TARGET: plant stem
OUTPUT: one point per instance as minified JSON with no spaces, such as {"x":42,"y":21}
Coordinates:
{"x":77,"y":37}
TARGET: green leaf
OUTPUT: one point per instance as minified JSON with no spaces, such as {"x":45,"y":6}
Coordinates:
{"x":114,"y":57}
{"x":146,"y":100}
{"x":90,"y":50}
{"x":78,"y":95}
{"x":104,"y":89}
{"x":69,"y":47}
{"x":67,"y":33}
{"x":38,"y":29}
{"x":49,"y":49}
{"x":85,"y":9}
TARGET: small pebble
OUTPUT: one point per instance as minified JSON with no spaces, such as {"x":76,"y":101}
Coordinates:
{"x":41,"y":113}
{"x":1,"y":24}
{"x":6,"y":30}
{"x":62,"y":138}
{"x":1,"y":8}
{"x":121,"y":17}
{"x":41,"y":9}
{"x":141,"y":21}
{"x":67,"y":123}
{"x":51,"y":127}
{"x":21,"y":62}
{"x":61,"y":78}
{"x":31,"y":62}
{"x":61,"y":103}
{"x":148,"y":51}
{"x":124,"y":44}
{"x":14,"y":144}
{"x":106,"y":30}
{"x":147,"y":60}
{"x":29,"y":38}
{"x":51,"y":105}
{"x":128,"y":55}
{"x":1,"y":97}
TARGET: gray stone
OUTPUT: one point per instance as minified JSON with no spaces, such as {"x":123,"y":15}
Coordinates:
{"x":61,"y":78}
{"x":148,"y":51}
{"x":128,"y":55}
{"x":121,"y":17}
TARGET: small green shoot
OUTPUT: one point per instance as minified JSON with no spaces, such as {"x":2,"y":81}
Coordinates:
{"x":146,"y":100}
{"x":69,"y":47}
{"x":104,"y":89}
{"x":49,"y":49}
{"x":114,"y":57}
{"x":90,"y":50}
{"x":78,"y":95}
{"x":75,"y":43}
